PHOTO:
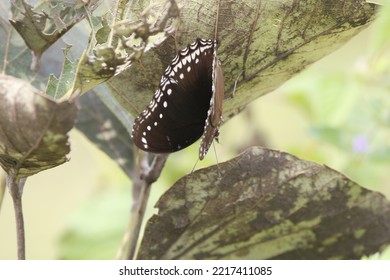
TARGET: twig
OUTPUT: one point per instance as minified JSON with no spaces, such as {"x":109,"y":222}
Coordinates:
{"x":15,"y":188}
{"x":142,"y":183}
{"x":2,"y":187}
{"x":7,"y":43}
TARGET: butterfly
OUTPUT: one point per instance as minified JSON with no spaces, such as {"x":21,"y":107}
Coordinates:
{"x":187,"y":104}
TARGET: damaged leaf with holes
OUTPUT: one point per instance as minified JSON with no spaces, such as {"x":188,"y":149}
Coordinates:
{"x":57,"y":88}
{"x":33,"y":128}
{"x":114,"y":46}
{"x":267,"y":204}
{"x":262,"y":44}
{"x":43,"y":25}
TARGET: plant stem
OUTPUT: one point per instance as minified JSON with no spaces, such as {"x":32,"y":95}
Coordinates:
{"x":138,"y":213}
{"x":141,"y":190}
{"x":15,"y":188}
{"x":2,"y":186}
{"x":7,"y":42}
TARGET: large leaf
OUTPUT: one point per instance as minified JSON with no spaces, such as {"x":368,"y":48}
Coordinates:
{"x":267,"y":205}
{"x":33,"y":128}
{"x":261,"y":44}
{"x":114,"y":45}
{"x":104,"y":128}
{"x":43,"y":25}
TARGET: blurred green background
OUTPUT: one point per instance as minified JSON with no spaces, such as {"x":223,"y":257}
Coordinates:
{"x":336,"y":112}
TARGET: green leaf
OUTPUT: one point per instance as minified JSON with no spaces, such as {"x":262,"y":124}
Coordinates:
{"x":262,"y":44}
{"x":33,"y":128}
{"x":331,"y":135}
{"x":15,"y":57}
{"x":57,"y":88}
{"x":113,"y":50}
{"x":267,"y":204}
{"x":92,"y":232}
{"x":43,"y":25}
{"x":95,"y":69}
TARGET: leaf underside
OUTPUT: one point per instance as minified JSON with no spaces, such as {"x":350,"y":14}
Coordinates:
{"x":262,"y":44}
{"x":33,"y":128}
{"x":267,"y":204}
{"x":103,"y":128}
{"x":42,"y":26}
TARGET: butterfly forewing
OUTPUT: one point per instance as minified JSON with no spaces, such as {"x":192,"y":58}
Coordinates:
{"x":175,"y":118}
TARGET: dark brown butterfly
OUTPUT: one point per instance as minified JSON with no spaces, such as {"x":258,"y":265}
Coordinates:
{"x":187,"y":105}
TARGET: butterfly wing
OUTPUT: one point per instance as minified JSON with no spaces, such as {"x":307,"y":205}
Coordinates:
{"x":175,"y":117}
{"x":214,"y":114}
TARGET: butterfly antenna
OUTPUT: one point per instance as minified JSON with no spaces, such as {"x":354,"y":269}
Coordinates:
{"x":235,"y":83}
{"x":216,"y":158}
{"x":193,"y":168}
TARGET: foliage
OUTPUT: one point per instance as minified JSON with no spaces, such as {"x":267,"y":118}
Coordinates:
{"x":300,"y":208}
